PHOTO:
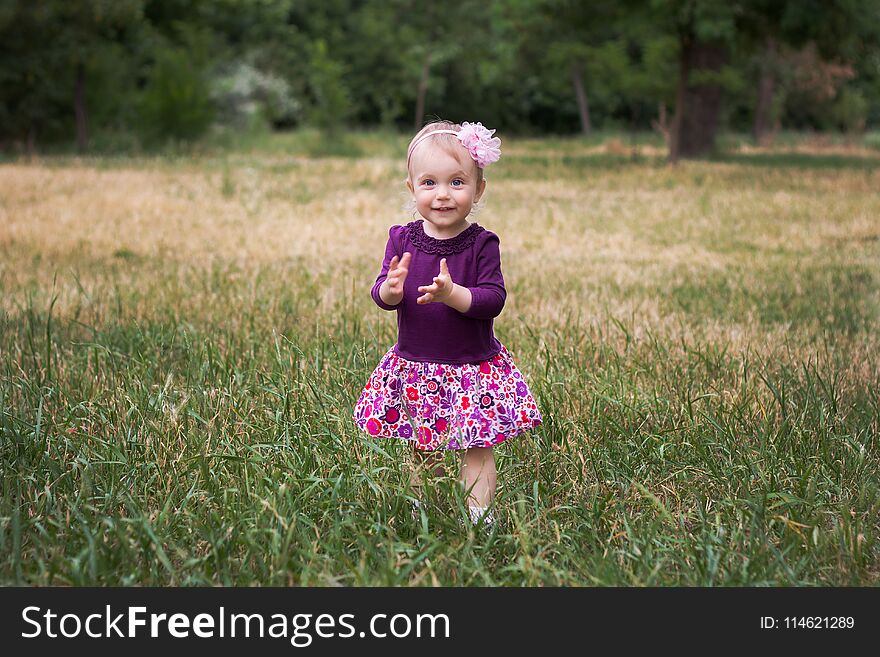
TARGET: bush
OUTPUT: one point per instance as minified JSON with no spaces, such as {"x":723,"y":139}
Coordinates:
{"x":849,"y":111}
{"x":176,"y":103}
{"x":245,"y":96}
{"x":331,"y":100}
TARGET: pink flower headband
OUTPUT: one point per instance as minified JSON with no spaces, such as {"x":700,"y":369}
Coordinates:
{"x":478,"y":140}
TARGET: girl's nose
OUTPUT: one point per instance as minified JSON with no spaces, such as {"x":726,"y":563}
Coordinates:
{"x":442,"y":191}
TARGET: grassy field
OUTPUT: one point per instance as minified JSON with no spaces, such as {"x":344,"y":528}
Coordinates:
{"x":182,"y":340}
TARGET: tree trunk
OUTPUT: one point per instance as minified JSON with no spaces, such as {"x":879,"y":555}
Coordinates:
{"x":697,"y":106}
{"x":581,"y":95}
{"x":764,"y":122}
{"x":661,"y":123}
{"x":79,"y":106}
{"x":31,"y":143}
{"x":680,"y":97}
{"x":422,"y":92}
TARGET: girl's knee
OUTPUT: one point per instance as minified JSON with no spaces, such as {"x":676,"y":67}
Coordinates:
{"x":478,"y":454}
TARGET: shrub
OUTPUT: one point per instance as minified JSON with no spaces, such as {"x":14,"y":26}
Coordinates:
{"x":244,"y":96}
{"x":331,"y":100}
{"x":849,"y":111}
{"x":176,"y":103}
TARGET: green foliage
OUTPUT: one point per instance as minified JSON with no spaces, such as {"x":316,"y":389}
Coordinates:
{"x":383,"y":63}
{"x":655,"y":78}
{"x":111,"y":87}
{"x":849,"y":110}
{"x":331,"y":102}
{"x":176,"y":102}
{"x":704,"y":20}
{"x":510,"y":63}
{"x":727,"y":78}
{"x":872,"y":140}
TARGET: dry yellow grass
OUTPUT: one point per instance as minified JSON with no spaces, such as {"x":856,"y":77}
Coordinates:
{"x":600,"y":243}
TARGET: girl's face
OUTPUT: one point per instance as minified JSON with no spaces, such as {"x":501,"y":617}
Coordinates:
{"x":444,"y":189}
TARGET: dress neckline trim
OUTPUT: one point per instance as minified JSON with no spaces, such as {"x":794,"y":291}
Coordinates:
{"x":452,"y":245}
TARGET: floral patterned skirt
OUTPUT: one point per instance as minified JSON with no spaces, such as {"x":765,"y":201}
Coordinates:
{"x":442,"y":406}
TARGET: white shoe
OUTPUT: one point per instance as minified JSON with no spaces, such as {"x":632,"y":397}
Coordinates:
{"x":478,"y":513}
{"x":417,"y":506}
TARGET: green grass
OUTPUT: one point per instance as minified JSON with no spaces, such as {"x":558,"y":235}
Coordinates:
{"x":171,"y":453}
{"x":171,"y":420}
{"x":797,"y":161}
{"x":821,"y":297}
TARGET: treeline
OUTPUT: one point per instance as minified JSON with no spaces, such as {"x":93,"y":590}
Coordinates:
{"x":141,"y":72}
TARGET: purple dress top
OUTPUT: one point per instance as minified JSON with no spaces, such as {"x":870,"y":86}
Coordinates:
{"x":435,"y":332}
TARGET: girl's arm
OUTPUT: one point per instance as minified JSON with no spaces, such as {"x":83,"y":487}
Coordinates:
{"x":460,"y":299}
{"x":391,"y":290}
{"x":482,"y":301}
{"x":383,"y":297}
{"x":389,"y":298}
{"x":488,"y":295}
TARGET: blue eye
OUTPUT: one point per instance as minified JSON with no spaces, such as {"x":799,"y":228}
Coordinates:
{"x":458,"y":182}
{"x":428,"y":182}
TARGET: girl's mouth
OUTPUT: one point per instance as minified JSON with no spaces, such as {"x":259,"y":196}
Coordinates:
{"x":444,"y":209}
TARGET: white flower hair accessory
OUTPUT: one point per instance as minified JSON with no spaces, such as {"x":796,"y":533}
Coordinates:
{"x":477,"y":140}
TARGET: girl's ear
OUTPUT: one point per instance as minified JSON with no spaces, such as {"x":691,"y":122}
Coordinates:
{"x":410,"y":185}
{"x":480,"y":189}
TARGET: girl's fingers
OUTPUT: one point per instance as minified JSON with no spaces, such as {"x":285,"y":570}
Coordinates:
{"x":402,"y":263}
{"x":443,"y":268}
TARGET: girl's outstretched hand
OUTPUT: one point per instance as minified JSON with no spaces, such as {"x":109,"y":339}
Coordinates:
{"x":397,"y":271}
{"x":440,"y":289}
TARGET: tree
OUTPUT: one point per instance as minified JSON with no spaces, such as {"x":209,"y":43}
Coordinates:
{"x":332,"y":103}
{"x":806,"y":44}
{"x":33,"y":84}
{"x":79,"y":30}
{"x":711,"y":33}
{"x":444,"y":30}
{"x":569,"y":42}
{"x":705,"y":30}
{"x":164,"y":67}
{"x":83,"y":26}
{"x":646,"y":79}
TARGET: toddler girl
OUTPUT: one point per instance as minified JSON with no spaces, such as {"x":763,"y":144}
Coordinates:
{"x":448,"y":383}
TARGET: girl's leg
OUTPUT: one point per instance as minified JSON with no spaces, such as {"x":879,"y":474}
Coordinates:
{"x":478,"y":476}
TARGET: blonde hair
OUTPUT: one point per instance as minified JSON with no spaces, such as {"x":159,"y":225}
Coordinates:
{"x":445,"y":141}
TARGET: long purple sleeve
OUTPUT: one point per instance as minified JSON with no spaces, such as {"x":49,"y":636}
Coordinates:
{"x":390,"y":252}
{"x":488,"y":295}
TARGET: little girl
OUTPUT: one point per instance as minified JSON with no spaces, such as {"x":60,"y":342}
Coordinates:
{"x":448,"y":383}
